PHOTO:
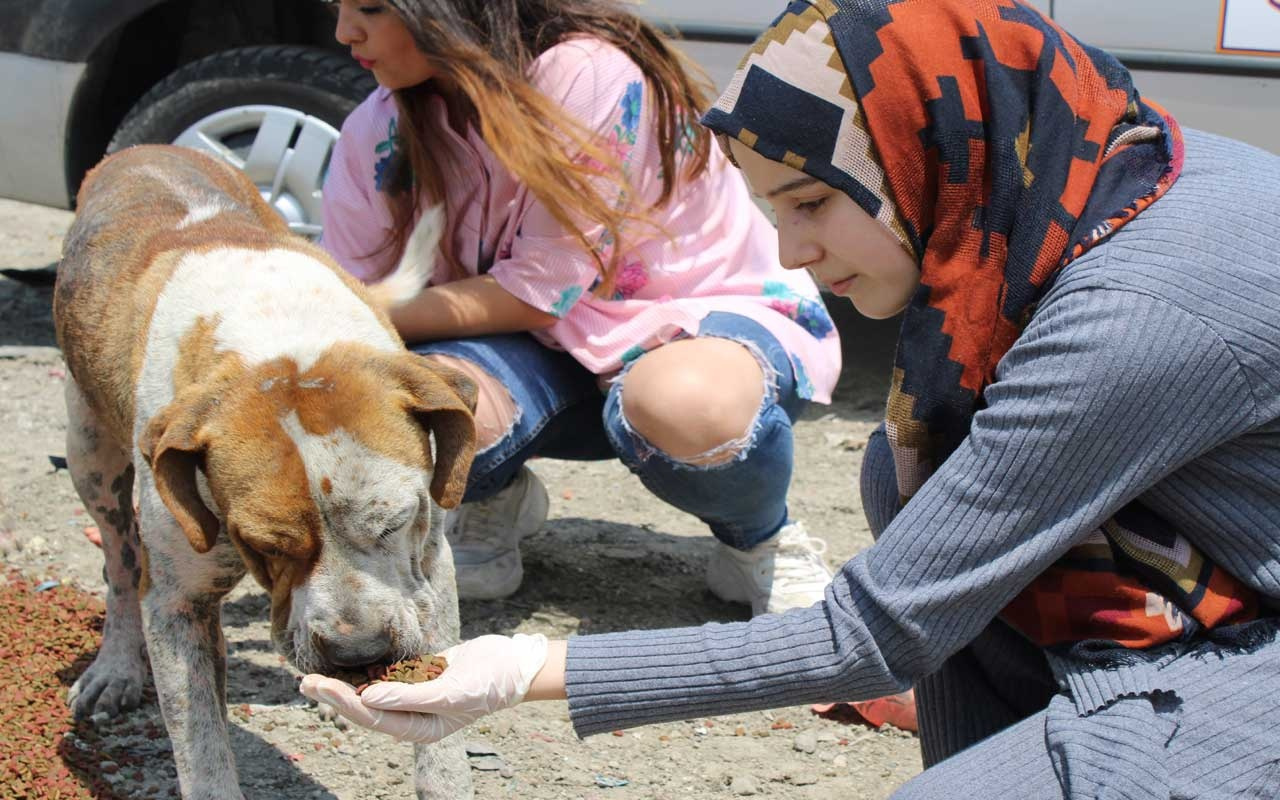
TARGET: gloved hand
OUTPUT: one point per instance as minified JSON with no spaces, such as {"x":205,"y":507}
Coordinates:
{"x":484,"y":675}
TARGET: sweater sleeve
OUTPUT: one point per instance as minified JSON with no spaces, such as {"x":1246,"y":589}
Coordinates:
{"x":1106,"y":392}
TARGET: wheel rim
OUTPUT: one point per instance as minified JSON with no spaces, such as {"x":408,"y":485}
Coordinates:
{"x":283,"y":151}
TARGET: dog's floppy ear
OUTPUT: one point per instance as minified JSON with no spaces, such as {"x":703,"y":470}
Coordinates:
{"x":173,"y":446}
{"x":444,"y":400}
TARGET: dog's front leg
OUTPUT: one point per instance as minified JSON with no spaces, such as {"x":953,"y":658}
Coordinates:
{"x":441,"y":770}
{"x":181,"y":614}
{"x":103,"y":475}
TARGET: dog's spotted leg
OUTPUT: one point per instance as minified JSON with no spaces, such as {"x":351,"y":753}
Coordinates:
{"x":102,"y":472}
{"x":181,"y":614}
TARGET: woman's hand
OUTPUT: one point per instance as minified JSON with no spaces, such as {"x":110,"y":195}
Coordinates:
{"x":484,"y":675}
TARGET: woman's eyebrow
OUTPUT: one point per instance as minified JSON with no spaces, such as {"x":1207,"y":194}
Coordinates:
{"x":798,"y":183}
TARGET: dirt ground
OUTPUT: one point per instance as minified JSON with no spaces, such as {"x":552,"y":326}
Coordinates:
{"x":610,"y":557}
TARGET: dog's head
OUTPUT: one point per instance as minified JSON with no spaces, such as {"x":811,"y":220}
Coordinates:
{"x":325,"y":480}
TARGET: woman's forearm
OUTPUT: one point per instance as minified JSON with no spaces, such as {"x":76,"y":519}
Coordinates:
{"x":470,"y":307}
{"x":548,"y":684}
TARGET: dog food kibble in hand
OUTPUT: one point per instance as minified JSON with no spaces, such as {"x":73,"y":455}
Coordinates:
{"x":410,"y":670}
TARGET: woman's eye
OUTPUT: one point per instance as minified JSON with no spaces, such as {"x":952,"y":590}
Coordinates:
{"x":811,"y":205}
{"x":370,"y":11}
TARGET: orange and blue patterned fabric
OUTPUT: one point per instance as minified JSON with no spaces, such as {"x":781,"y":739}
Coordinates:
{"x":997,"y":148}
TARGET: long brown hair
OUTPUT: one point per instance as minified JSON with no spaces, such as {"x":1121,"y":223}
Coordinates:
{"x":483,"y":49}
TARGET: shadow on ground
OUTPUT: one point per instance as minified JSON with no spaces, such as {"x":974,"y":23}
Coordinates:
{"x":590,"y":576}
{"x":26,"y":305}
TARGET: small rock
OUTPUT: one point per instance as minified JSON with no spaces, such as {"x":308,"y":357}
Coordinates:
{"x":804,"y":778}
{"x":743,"y":785}
{"x":610,"y":782}
{"x":840,"y":761}
{"x":487,"y":763}
{"x":805,"y":742}
{"x":500,"y":727}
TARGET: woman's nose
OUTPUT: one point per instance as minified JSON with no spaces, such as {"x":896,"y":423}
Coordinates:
{"x":345,"y":31}
{"x":794,"y":251}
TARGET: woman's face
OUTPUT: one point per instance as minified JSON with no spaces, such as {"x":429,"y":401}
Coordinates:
{"x":381,"y":43}
{"x":823,"y":230}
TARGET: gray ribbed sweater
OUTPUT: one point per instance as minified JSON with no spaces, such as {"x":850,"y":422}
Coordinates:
{"x":1151,"y":369}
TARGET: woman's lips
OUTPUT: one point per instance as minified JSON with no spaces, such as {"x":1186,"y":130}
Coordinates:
{"x":840,"y":287}
{"x":363,"y":62}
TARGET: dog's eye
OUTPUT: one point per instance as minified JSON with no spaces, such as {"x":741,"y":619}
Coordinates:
{"x":399,"y":521}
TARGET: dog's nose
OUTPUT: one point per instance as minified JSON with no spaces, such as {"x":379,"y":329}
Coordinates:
{"x":355,"y":649}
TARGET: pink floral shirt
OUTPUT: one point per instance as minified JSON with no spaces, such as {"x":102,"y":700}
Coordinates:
{"x":712,"y":249}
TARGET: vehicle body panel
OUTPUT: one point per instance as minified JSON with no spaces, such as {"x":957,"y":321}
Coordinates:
{"x":36,"y":95}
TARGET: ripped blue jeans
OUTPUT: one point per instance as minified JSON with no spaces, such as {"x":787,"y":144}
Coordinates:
{"x":563,"y":414}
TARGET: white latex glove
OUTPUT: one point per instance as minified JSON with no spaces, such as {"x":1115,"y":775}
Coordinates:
{"x":484,"y":675}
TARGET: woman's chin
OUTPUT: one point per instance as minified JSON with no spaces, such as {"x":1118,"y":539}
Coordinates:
{"x":875,"y":310}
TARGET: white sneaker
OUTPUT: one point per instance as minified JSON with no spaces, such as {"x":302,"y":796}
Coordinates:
{"x":485,"y":537}
{"x":783,"y":572}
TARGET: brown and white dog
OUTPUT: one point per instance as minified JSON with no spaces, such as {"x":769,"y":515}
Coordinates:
{"x":275,"y":424}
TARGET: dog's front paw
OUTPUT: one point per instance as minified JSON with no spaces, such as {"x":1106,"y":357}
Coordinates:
{"x":111,"y":685}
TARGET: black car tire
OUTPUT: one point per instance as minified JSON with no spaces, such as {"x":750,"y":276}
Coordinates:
{"x":273,"y":110}
{"x":314,"y":81}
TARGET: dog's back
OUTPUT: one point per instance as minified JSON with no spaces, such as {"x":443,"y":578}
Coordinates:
{"x":167,"y":234}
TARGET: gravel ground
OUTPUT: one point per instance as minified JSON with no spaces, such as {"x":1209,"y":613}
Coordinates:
{"x":610,"y":557}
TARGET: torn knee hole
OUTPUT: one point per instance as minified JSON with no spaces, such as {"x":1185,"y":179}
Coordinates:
{"x":496,"y":410}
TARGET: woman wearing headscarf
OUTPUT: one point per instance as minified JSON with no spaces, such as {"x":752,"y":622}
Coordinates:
{"x":1077,"y":485}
